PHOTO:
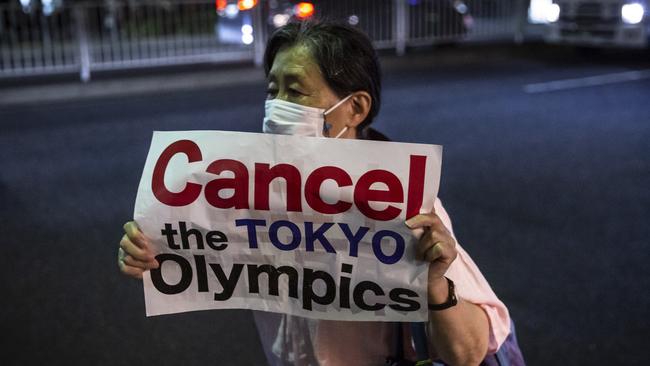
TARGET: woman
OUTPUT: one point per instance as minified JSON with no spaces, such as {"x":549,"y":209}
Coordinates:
{"x":324,"y":80}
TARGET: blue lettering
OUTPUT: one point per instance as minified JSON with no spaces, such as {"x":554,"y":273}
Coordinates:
{"x":252,"y":232}
{"x":399,"y":246}
{"x":295,"y":232}
{"x":354,"y":239}
{"x":311,"y":236}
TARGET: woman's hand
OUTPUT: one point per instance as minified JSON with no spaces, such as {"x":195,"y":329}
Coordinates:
{"x":459,"y":334}
{"x":436,"y":246}
{"x":135,"y":254}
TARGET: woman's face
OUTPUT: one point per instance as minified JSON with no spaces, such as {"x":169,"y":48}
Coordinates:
{"x":295,"y":77}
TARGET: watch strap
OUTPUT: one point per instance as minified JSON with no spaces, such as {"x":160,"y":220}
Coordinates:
{"x":452,"y":300}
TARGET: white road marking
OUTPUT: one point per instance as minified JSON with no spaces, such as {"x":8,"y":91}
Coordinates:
{"x":620,"y":77}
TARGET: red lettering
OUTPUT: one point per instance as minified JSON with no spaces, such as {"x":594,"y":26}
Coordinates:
{"x":191,"y":191}
{"x":263,"y":177}
{"x":417,"y":168}
{"x":363,"y":194}
{"x":265,"y":174}
{"x":312,"y":189}
{"x":239,"y":184}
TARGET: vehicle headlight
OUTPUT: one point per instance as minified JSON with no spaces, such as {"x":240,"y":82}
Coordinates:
{"x":543,"y":12}
{"x":553,"y":13}
{"x":632,"y":13}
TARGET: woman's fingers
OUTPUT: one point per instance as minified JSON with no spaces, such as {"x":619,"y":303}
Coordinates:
{"x":436,"y":243}
{"x":135,"y":235}
{"x":135,"y":255}
{"x":430,"y":220}
{"x":423,"y":220}
{"x":135,"y":251}
{"x":424,"y":244}
{"x":125,"y":268}
{"x":130,"y":261}
{"x":132,"y":271}
{"x":432,"y":252}
{"x":427,"y":251}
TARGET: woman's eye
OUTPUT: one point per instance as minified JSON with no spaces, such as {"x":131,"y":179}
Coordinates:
{"x":295,"y":91}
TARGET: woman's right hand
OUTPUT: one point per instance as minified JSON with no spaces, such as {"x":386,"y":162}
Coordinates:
{"x":135,"y":254}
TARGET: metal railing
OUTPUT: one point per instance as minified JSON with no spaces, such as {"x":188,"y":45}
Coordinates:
{"x":117,"y":34}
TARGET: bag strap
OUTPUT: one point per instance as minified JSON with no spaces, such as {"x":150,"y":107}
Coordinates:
{"x":419,"y":336}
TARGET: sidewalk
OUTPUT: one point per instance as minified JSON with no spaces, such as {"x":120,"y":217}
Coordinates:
{"x":141,"y":81}
{"x":163,"y":81}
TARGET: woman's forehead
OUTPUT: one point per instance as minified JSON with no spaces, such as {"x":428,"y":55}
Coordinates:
{"x":296,"y":61}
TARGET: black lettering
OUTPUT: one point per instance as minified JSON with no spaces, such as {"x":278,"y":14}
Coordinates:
{"x":344,"y":291}
{"x":360,"y":289}
{"x":273,"y":275}
{"x":212,"y":238}
{"x":308,"y":294}
{"x":185,"y":234}
{"x":228,"y":283}
{"x":201,"y":273}
{"x":401,"y":296}
{"x":186,"y":274}
{"x":169,"y":233}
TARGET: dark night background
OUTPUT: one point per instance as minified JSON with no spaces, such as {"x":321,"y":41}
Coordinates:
{"x":547,"y":191}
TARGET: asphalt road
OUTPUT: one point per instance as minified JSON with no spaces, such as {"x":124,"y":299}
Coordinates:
{"x":548,"y":191}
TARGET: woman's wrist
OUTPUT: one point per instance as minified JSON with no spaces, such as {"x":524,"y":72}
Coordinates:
{"x":438,"y":290}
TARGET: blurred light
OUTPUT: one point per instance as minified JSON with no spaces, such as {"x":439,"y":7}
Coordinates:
{"x":280,"y":20}
{"x":539,"y":10}
{"x":26,"y":6}
{"x":461,"y":7}
{"x":304,"y":10}
{"x":247,"y":29}
{"x":231,"y":11}
{"x":632,"y":13}
{"x":246,"y":4}
{"x":553,"y":13}
{"x":48,"y":7}
{"x":247,"y":38}
{"x":221,"y":5}
{"x":353,"y":20}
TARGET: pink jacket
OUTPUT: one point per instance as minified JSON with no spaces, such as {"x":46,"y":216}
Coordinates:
{"x":290,"y":340}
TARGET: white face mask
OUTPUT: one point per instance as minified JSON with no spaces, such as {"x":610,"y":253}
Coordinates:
{"x":286,"y":118}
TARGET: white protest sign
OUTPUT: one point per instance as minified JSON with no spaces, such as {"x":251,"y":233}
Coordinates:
{"x":306,"y":226}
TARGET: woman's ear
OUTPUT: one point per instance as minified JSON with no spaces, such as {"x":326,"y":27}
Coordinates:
{"x":361,"y":103}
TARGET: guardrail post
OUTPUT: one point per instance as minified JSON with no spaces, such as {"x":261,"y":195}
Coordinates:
{"x":521,"y":19}
{"x":259,"y":35}
{"x":82,"y":37}
{"x":401,"y":26}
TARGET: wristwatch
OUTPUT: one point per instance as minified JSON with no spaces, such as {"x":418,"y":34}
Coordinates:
{"x":451,"y":298}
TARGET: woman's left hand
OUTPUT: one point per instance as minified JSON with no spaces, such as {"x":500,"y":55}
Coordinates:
{"x":436,"y":245}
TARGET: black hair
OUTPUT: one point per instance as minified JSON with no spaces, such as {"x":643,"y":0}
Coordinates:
{"x":344,"y":54}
